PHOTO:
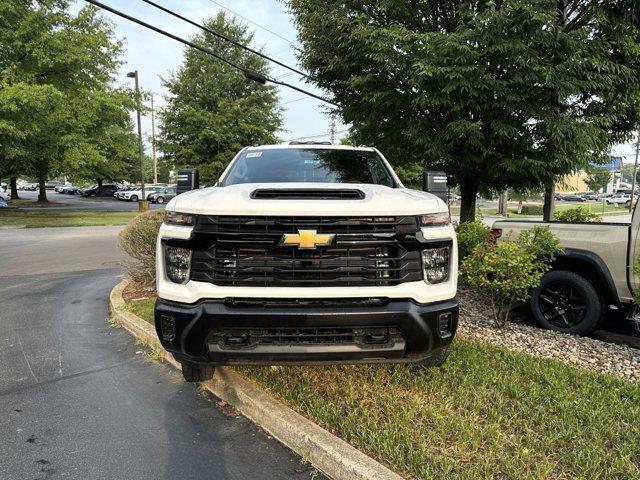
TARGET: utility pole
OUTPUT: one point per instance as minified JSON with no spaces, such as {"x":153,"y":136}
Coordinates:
{"x":153,"y":142}
{"x":332,"y":127}
{"x":142,"y":203}
{"x":635,"y":172}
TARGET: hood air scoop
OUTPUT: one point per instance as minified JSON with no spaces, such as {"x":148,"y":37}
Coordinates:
{"x":307,"y":194}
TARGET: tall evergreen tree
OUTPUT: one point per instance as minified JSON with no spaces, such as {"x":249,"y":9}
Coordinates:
{"x":212,"y":111}
{"x":497,"y":93}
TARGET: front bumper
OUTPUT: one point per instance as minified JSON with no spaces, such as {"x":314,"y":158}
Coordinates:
{"x":223,"y":333}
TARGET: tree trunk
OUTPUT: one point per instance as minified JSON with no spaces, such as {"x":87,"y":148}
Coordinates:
{"x":468,"y":203}
{"x":14,"y":188}
{"x":42,"y":191}
{"x":519,"y":207}
{"x":549,"y":203}
{"x":99,"y":180}
{"x":502,"y":203}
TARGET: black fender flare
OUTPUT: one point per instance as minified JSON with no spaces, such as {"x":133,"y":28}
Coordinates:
{"x":596,"y":265}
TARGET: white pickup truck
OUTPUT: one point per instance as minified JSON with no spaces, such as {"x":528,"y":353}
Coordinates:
{"x":306,"y":254}
{"x":593,"y":275}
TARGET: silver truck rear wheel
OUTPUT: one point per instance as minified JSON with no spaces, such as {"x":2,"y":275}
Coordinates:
{"x":566,"y":302}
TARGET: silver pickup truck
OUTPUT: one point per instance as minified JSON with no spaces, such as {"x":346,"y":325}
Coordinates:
{"x":594,"y":274}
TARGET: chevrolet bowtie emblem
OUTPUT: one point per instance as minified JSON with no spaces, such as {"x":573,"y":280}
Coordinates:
{"x":307,"y":239}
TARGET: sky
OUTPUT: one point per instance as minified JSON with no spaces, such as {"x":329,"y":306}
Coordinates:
{"x":155,"y":56}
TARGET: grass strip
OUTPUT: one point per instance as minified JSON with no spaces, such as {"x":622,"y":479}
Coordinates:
{"x":488,"y":413}
{"x":142,"y":308}
{"x":63,"y":218}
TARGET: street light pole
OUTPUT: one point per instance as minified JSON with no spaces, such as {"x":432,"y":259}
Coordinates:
{"x":635,"y":172}
{"x":153,"y":142}
{"x":142,"y":204}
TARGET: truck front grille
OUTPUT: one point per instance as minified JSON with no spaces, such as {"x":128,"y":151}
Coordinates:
{"x":246,"y":251}
{"x":231,"y":339}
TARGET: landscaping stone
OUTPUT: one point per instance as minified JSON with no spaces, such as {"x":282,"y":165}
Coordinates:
{"x":476,"y":323}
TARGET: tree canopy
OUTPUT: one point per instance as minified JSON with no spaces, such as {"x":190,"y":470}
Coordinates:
{"x":498,"y":94}
{"x":597,"y":178}
{"x":212,"y":111}
{"x":59,"y":110}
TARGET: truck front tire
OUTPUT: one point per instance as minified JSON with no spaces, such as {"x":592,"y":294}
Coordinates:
{"x":567,"y":302}
{"x":436,"y":360}
{"x":197,"y":373}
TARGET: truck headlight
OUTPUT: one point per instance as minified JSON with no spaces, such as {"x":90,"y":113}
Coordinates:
{"x":178,"y":218}
{"x":435,"y":264}
{"x":177,"y":263}
{"x":441,"y":219}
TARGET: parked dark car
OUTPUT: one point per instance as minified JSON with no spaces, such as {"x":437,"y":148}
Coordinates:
{"x":162,"y":195}
{"x":590,"y":196}
{"x":106,"y":191}
{"x":558,"y":197}
{"x":573,"y":198}
{"x":70,"y":190}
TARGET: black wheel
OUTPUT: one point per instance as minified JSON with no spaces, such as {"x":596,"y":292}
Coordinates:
{"x":436,"y":360}
{"x":160,"y":200}
{"x":134,"y":198}
{"x":197,"y":373}
{"x":566,"y":302}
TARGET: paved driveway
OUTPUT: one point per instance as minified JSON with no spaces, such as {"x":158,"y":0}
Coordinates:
{"x":79,"y":400}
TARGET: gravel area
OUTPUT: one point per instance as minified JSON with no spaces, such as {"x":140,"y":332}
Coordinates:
{"x":583,"y":352}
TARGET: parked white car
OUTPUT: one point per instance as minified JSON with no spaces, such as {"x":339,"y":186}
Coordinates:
{"x":619,"y":199}
{"x":135,"y":195}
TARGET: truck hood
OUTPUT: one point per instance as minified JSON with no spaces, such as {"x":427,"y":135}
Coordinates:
{"x":236,"y":200}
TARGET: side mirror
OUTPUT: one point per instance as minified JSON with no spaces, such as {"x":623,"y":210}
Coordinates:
{"x":435,"y":182}
{"x":188,"y":179}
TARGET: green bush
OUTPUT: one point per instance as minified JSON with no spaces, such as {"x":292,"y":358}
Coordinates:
{"x":577,"y":214}
{"x":138,"y":240}
{"x":470,"y":235}
{"x":532,"y":210}
{"x":507,"y":271}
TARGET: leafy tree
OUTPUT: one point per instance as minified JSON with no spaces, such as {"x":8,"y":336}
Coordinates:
{"x":212,"y":111}
{"x":498,"y":94}
{"x":597,"y":178}
{"x":68,"y":64}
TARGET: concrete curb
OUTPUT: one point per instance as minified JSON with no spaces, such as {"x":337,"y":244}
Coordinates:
{"x":328,"y":453}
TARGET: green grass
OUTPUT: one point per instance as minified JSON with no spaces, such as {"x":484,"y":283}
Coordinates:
{"x":63,"y":218}
{"x":489,"y":413}
{"x":142,"y":308}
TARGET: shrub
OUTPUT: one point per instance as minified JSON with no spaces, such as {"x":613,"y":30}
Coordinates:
{"x":506,"y":272}
{"x":138,"y":240}
{"x":577,"y":214}
{"x":470,"y":235}
{"x":532,"y":210}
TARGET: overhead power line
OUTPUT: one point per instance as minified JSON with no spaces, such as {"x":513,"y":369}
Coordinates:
{"x":257,"y":24}
{"x":319,"y":135}
{"x":294,"y":100}
{"x":226,"y":38}
{"x":248,"y":73}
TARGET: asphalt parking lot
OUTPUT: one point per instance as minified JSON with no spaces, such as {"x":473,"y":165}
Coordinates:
{"x":79,"y":400}
{"x":76,"y":202}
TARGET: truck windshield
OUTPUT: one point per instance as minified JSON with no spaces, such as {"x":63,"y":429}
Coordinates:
{"x":313,"y":165}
